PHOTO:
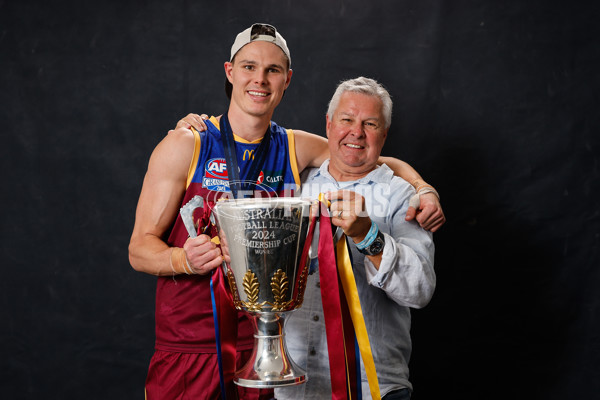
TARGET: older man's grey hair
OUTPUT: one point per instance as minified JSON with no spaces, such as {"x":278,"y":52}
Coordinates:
{"x":367,"y":86}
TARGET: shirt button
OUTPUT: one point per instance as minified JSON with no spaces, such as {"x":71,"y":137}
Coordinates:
{"x":313,"y":351}
{"x":315,"y":318}
{"x":318,"y":284}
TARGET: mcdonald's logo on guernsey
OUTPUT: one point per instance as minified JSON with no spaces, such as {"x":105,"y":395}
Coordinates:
{"x":248,"y":154}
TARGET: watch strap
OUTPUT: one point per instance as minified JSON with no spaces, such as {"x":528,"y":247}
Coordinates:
{"x":376,"y":246}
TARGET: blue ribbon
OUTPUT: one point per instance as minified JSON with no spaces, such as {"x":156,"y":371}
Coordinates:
{"x":218,"y":337}
{"x":358,"y":376}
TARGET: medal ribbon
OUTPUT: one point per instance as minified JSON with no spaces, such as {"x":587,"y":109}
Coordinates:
{"x":225,"y":318}
{"x":223,"y":310}
{"x":233,"y":173}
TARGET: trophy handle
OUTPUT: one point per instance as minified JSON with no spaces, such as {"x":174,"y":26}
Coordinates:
{"x":187,"y":214}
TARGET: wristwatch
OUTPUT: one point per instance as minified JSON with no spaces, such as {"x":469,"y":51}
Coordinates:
{"x":376,"y":247}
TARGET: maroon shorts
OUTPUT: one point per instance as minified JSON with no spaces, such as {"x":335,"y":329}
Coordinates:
{"x":185,"y":376}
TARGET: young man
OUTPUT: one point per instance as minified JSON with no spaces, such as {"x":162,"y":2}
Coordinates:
{"x":392,"y":259}
{"x":186,"y":164}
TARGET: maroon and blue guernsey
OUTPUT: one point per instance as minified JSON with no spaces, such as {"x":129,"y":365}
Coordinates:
{"x":184,"y":316}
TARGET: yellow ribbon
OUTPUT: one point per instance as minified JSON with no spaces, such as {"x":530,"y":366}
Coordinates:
{"x":360,"y":329}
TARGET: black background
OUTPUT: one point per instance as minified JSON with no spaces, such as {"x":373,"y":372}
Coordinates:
{"x":496,"y":104}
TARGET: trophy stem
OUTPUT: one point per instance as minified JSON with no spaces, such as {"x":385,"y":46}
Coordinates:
{"x":270,"y":365}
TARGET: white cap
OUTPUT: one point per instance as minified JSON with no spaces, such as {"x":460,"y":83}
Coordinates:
{"x":262,"y":32}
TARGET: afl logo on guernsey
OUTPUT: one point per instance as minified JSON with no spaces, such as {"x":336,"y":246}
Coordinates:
{"x":215,"y":175}
{"x":216,"y":178}
{"x":216,"y":168}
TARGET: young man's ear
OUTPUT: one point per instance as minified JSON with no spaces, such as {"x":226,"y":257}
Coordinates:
{"x":289,"y":78}
{"x":228,"y":67}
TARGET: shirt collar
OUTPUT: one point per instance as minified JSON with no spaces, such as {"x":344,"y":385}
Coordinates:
{"x":381,"y":173}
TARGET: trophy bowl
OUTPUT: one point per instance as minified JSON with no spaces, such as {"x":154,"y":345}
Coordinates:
{"x":265,"y":247}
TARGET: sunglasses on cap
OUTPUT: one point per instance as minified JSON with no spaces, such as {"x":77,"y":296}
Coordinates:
{"x":262,"y":29}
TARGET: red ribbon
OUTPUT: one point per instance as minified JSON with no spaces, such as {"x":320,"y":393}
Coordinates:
{"x":337,"y":321}
{"x":349,"y":345}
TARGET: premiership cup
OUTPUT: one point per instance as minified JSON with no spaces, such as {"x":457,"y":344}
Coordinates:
{"x":263,"y":241}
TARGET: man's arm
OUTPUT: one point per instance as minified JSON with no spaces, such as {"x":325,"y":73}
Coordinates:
{"x":400,"y":168}
{"x":312,"y":150}
{"x":428,"y":212}
{"x":404,"y":270}
{"x":158,"y":207}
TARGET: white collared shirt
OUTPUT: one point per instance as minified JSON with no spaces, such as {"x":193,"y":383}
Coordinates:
{"x":405,"y":278}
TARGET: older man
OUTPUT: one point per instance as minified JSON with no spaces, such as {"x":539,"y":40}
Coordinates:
{"x":392,"y":258}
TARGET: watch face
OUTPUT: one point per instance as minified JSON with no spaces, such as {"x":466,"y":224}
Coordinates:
{"x":376,"y":247}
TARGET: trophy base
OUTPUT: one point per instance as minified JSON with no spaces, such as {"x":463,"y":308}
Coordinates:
{"x":258,"y":383}
{"x":269,"y":365}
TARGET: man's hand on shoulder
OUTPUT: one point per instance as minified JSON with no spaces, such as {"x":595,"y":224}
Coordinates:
{"x":428,"y":212}
{"x":192,"y":121}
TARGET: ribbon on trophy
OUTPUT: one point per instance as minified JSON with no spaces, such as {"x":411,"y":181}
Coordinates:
{"x":343,"y":316}
{"x":226,"y":317}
